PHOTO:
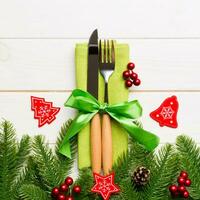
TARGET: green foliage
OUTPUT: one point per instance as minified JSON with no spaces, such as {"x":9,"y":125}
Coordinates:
{"x":162,"y":172}
{"x":30,"y":192}
{"x":31,"y":175}
{"x":13,"y":161}
{"x":46,"y":163}
{"x":189,"y":154}
{"x":136,"y":156}
{"x":163,"y":166}
{"x":66,"y":164}
{"x":85,"y":176}
{"x":48,"y":168}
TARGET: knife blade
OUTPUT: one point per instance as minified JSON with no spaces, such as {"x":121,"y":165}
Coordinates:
{"x":92,"y":88}
{"x":93,"y":65}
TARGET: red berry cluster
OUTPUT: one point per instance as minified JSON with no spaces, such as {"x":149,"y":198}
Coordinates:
{"x":63,"y":192}
{"x":130,"y":76}
{"x":180,"y":190}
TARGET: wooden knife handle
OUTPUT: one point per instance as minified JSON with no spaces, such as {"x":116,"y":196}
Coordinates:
{"x":96,"y":154}
{"x":106,"y":144}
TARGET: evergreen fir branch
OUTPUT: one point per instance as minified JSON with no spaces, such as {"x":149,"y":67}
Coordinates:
{"x":127,"y":191}
{"x":139,"y":156}
{"x":47,"y":163}
{"x":128,"y":162}
{"x":33,"y":174}
{"x":86,"y":181}
{"x":163,"y":169}
{"x":13,"y":159}
{"x":28,"y":177}
{"x":7,"y":159}
{"x":125,"y":166}
{"x":61,"y":135}
{"x":122,"y":168}
{"x":47,"y":170}
{"x":24,"y":148}
{"x":66,"y":164}
{"x":19,"y":181}
{"x":32,"y":192}
{"x":22,"y":155}
{"x":190,"y":161}
{"x":85,"y":175}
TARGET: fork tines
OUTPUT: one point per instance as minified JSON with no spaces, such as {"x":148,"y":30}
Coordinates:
{"x":106,"y":51}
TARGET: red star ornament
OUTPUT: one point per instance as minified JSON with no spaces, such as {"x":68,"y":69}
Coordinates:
{"x":166,"y":114}
{"x":105,"y":185}
{"x":43,"y":110}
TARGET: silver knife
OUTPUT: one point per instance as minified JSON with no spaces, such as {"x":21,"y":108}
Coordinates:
{"x":93,"y":65}
{"x":92,"y":88}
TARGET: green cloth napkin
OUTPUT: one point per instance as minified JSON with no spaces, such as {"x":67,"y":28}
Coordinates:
{"x":117,"y":93}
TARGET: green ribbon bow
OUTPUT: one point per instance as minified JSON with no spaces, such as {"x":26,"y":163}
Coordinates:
{"x":124,"y":113}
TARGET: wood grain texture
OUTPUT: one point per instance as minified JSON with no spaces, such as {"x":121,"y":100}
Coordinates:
{"x":28,"y":64}
{"x":16,"y":108}
{"x":37,"y":40}
{"x":106,"y":144}
{"x":77,"y":19}
{"x":96,"y":150}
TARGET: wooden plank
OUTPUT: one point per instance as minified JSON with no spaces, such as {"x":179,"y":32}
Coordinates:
{"x":49,"y":64}
{"x":16,"y":108}
{"x":72,"y":19}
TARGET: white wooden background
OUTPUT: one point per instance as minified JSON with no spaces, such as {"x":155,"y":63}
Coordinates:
{"x":37,"y":40}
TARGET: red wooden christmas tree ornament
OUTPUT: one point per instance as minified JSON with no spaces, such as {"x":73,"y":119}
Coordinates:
{"x":104,"y":185}
{"x":166,"y":114}
{"x":43,"y":110}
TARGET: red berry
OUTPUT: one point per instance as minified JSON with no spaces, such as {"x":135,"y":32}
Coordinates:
{"x":176,"y":194}
{"x":130,"y":72}
{"x":69,"y":198}
{"x":184,"y":174}
{"x":137,"y":82}
{"x":126,"y":74}
{"x":61,"y":197}
{"x":181,"y":181}
{"x":188,"y":182}
{"x":181,"y":189}
{"x":55,"y":192}
{"x":69,"y":181}
{"x":131,"y":65}
{"x":64,"y":187}
{"x":77,"y":189}
{"x":134,"y":76}
{"x":173,"y":188}
{"x":186,"y":194}
{"x":129,"y":83}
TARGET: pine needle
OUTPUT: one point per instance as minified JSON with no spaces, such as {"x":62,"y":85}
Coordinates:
{"x":7,"y":159}
{"x":162,"y":170}
{"x":47,"y":163}
{"x":31,"y":176}
{"x":190,"y":161}
{"x":32,"y":192}
{"x":24,"y":149}
{"x":13,"y":160}
{"x":66,"y":164}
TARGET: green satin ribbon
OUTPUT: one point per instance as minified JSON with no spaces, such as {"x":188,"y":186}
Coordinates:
{"x":124,"y":113}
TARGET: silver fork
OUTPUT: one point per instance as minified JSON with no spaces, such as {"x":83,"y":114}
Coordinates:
{"x":106,"y":63}
{"x":107,"y":66}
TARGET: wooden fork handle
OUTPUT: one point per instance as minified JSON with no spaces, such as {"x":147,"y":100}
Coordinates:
{"x":106,"y":144}
{"x":96,"y":155}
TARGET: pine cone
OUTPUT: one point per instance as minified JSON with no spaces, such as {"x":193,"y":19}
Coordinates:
{"x":141,"y":176}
